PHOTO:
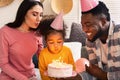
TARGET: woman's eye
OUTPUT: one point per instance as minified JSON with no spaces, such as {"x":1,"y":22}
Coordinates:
{"x":34,"y":14}
{"x":41,"y":15}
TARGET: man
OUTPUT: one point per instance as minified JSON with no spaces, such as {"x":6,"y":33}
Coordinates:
{"x":103,"y":41}
{"x":102,"y":44}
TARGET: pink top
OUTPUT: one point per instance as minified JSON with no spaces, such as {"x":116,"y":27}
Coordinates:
{"x":16,"y":51}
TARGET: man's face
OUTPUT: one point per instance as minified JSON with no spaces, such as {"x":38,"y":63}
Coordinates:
{"x":92,"y":26}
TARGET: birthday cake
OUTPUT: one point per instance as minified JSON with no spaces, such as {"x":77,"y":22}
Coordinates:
{"x":59,"y":69}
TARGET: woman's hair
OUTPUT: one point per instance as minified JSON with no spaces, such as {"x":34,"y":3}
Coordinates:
{"x":22,"y":10}
{"x":100,"y":10}
{"x":45,"y":29}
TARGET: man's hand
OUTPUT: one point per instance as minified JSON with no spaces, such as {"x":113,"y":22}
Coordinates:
{"x":77,"y":77}
{"x":96,"y":71}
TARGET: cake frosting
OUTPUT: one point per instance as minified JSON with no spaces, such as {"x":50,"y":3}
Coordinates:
{"x":59,"y":69}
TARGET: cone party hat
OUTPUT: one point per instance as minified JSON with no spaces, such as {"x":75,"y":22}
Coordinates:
{"x":58,"y":22}
{"x":87,"y":5}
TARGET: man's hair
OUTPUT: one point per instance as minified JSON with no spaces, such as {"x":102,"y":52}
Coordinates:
{"x":100,"y":9}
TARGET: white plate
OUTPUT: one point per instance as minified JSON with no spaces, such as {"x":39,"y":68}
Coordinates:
{"x":73,"y":74}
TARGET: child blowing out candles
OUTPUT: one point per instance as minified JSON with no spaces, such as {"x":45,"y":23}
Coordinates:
{"x":54,"y":50}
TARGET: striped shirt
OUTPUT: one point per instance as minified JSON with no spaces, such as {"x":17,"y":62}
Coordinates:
{"x":111,"y":53}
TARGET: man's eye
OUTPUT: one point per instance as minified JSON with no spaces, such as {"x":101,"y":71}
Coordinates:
{"x":88,"y":25}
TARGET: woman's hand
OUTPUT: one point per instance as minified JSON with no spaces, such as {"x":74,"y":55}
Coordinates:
{"x":96,"y":71}
{"x":33,"y":78}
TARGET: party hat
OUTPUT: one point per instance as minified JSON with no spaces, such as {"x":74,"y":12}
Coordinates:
{"x":58,"y":22}
{"x":87,"y":5}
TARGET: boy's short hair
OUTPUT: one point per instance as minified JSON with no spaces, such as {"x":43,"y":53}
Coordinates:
{"x":45,"y":28}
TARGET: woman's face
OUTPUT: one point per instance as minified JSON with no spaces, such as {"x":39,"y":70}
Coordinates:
{"x":34,"y":16}
{"x":92,"y":26}
{"x":54,"y":42}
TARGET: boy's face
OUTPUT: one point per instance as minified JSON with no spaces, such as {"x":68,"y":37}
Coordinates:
{"x":55,"y":42}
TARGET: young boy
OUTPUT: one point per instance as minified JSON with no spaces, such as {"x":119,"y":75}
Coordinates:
{"x":54,"y":33}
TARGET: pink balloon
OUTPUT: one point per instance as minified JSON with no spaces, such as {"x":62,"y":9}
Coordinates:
{"x":80,"y":65}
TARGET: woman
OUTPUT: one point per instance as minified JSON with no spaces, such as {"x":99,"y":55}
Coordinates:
{"x":18,"y":42}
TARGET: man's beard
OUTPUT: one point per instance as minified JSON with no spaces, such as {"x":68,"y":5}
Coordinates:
{"x":98,"y":35}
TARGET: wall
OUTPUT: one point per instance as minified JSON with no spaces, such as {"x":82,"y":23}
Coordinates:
{"x":114,"y":8}
{"x":7,"y":13}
